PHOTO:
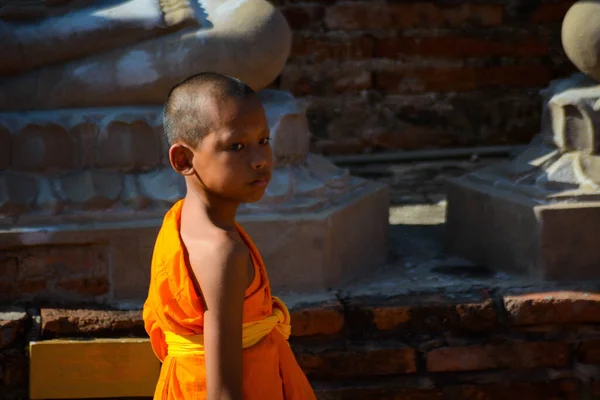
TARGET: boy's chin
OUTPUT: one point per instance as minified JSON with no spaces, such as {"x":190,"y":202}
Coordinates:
{"x":255,"y":197}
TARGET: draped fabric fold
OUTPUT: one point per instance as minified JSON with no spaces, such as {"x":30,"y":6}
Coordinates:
{"x":174,"y":319}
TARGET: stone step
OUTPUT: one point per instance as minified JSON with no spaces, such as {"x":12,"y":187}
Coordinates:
{"x":454,"y":345}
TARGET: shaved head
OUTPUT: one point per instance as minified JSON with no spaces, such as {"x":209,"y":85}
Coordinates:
{"x":189,"y":110}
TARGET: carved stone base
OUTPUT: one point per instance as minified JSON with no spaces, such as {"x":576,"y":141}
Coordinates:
{"x":509,"y":231}
{"x":99,"y":178}
{"x":539,"y":213}
{"x":310,"y":251}
{"x":323,"y":249}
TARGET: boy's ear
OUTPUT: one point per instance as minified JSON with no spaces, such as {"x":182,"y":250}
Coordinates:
{"x":181,"y":158}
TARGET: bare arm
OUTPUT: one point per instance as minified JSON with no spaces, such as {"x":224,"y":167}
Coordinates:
{"x":223,"y":277}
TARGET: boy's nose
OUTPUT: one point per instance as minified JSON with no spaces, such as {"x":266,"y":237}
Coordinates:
{"x":260,"y":164}
{"x":261,"y":160}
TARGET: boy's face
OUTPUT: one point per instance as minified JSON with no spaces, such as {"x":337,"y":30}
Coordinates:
{"x":234,"y":160}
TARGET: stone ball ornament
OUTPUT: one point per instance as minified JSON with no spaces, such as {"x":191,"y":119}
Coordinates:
{"x":581,"y":36}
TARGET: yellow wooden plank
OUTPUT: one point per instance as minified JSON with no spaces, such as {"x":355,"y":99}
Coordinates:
{"x":98,"y":368}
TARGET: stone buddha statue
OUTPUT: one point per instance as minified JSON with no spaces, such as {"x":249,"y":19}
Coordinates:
{"x":563,"y":162}
{"x":536,"y":214}
{"x":83,"y":158}
{"x":81,"y":93}
{"x":107,"y":53}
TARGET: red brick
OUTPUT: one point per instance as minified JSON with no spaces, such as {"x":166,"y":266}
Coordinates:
{"x":445,"y":79}
{"x":33,"y":265}
{"x":14,"y":368}
{"x":358,"y":362}
{"x":460,"y":47}
{"x":339,"y":147}
{"x":5,"y":146}
{"x":353,"y":80}
{"x":8,"y":268}
{"x":325,"y":78}
{"x":375,"y":392}
{"x":321,"y":48}
{"x":407,"y":137}
{"x":388,"y":318}
{"x":60,"y":261}
{"x":557,"y":390}
{"x":7,"y":290}
{"x":324,"y":320}
{"x":424,"y":314}
{"x":589,"y":352}
{"x":553,"y":308}
{"x":363,"y":15}
{"x":96,"y":323}
{"x":512,"y":355}
{"x":32,"y":286}
{"x":303,"y":16}
{"x":93,"y":286}
{"x":551,"y":12}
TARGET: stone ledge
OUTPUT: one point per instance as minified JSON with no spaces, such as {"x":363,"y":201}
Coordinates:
{"x":472,"y":312}
{"x":325,"y":316}
{"x":407,"y":353}
{"x":318,"y":315}
{"x":91,"y":323}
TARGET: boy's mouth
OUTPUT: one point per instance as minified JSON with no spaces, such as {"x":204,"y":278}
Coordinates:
{"x":262,"y":182}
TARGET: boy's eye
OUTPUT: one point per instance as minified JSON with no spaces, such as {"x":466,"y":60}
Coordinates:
{"x":236,"y":147}
{"x":265,"y":140}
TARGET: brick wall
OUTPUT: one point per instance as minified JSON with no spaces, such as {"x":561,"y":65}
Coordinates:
{"x":54,"y":274}
{"x":461,"y":345}
{"x":384,"y":75}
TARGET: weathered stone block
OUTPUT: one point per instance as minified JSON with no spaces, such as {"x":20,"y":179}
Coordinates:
{"x":323,"y":249}
{"x":303,"y":252}
{"x":510,"y":231}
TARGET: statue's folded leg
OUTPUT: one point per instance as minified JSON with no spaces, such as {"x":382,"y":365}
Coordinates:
{"x":250,"y":41}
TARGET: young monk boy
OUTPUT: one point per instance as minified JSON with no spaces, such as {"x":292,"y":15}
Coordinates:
{"x":210,"y":315}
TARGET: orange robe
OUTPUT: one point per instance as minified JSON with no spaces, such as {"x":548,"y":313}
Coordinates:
{"x":270,"y":370}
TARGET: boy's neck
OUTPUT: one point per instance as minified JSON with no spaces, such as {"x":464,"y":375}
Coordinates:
{"x":219,"y":212}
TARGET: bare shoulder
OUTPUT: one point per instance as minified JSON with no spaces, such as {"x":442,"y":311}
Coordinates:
{"x":219,"y":263}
